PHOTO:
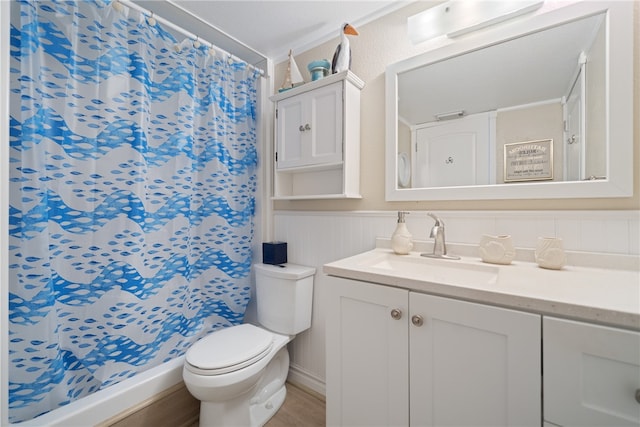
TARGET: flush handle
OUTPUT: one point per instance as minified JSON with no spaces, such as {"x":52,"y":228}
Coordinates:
{"x":417,"y":320}
{"x":396,"y":314}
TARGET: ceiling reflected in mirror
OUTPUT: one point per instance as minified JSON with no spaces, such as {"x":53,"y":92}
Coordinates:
{"x":521,"y":71}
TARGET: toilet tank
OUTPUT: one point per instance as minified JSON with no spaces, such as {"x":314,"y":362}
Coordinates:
{"x":284,"y":297}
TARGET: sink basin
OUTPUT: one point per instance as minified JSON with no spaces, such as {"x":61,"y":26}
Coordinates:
{"x":434,"y":270}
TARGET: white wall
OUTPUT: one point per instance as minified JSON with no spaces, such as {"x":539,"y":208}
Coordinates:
{"x":315,"y":238}
{"x":385,"y":41}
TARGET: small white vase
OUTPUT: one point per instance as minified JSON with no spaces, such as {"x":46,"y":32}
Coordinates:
{"x":550,"y":253}
{"x":497,"y":249}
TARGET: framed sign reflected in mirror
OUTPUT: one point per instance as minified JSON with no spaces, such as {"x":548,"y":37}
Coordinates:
{"x":528,"y":161}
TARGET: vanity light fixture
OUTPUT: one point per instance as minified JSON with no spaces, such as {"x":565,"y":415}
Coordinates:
{"x":457,"y":17}
{"x":450,"y":116}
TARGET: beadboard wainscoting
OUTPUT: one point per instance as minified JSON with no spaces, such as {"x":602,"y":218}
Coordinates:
{"x":315,"y":238}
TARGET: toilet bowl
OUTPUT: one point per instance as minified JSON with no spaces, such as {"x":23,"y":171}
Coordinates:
{"x":238,"y":373}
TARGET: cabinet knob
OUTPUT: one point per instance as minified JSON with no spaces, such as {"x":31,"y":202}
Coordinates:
{"x":638,"y":395}
{"x":417,"y":320}
{"x":396,"y":314}
{"x":307,"y":127}
{"x":301,"y":128}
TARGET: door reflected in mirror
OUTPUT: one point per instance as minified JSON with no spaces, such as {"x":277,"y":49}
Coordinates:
{"x":453,"y":110}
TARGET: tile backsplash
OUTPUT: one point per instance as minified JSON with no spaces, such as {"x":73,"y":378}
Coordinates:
{"x":322,"y":235}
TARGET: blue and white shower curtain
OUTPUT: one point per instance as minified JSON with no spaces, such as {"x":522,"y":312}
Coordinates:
{"x":132,"y":198}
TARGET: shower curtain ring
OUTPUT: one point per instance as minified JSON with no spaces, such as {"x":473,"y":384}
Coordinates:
{"x":151,"y":20}
{"x":117,"y":6}
{"x":197,"y":43}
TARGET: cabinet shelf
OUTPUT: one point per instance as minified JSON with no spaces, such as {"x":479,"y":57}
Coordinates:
{"x":338,"y":77}
{"x":319,"y":197}
{"x":318,"y":140}
{"x":313,"y":183}
{"x":310,"y":168}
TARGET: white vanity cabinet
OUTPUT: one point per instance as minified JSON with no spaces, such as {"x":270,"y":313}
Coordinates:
{"x":317,"y":132}
{"x":396,"y":357}
{"x":591,"y":374}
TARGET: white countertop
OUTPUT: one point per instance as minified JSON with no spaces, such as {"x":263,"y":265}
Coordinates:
{"x":594,"y":294}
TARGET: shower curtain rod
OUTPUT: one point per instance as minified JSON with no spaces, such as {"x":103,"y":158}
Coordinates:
{"x":195,"y":38}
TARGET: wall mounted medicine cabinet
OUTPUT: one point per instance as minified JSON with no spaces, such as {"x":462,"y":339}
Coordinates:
{"x":317,"y":148}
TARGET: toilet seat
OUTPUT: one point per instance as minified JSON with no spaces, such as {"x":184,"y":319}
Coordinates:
{"x":229,"y":350}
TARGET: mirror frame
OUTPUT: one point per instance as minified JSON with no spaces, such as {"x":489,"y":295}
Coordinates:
{"x":619,"y":119}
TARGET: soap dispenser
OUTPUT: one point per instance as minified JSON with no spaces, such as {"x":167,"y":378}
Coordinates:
{"x":401,"y":238}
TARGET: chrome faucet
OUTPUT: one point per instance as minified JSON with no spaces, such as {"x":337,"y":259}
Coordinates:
{"x":439,"y":244}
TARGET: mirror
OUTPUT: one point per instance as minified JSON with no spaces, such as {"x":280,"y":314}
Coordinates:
{"x":537,"y":109}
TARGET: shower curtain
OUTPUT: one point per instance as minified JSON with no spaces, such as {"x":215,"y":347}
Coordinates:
{"x":132,"y":198}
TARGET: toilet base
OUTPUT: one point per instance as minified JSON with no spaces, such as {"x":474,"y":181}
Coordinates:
{"x":262,"y":412}
{"x":255,"y":407}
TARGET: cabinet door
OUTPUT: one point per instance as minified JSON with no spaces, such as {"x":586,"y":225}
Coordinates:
{"x":289,"y":136}
{"x":325,"y":117}
{"x":367,"y":360}
{"x":591,"y":374}
{"x":309,"y":128}
{"x":473,"y":364}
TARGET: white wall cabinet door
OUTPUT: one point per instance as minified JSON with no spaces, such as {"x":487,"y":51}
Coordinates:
{"x":309,"y":128}
{"x":473,"y":364}
{"x":367,"y":355}
{"x":289,"y":136}
{"x":591,"y":374}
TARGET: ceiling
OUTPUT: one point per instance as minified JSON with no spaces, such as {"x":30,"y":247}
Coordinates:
{"x":268,"y":28}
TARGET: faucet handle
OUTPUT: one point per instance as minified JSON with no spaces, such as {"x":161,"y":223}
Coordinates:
{"x":439,"y":244}
{"x":439,"y":222}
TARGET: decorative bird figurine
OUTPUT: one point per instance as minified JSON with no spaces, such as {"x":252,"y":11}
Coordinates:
{"x":342,"y":56}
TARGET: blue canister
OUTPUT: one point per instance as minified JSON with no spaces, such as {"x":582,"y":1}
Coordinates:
{"x":319,"y":69}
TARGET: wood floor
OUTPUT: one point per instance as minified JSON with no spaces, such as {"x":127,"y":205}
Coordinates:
{"x":299,"y":409}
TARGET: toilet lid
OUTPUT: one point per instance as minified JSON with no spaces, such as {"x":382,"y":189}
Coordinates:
{"x":229,"y":349}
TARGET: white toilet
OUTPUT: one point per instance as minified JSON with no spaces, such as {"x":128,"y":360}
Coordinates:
{"x":238,"y":373}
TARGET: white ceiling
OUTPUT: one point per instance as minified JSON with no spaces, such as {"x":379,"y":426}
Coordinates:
{"x":269,"y":27}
